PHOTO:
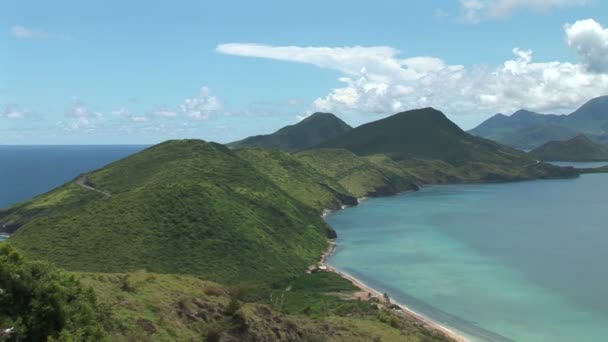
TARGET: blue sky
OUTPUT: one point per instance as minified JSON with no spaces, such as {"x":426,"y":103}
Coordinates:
{"x":104,"y":72}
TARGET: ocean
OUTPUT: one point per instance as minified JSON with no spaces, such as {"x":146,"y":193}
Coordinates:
{"x":27,"y":171}
{"x":497,"y":262}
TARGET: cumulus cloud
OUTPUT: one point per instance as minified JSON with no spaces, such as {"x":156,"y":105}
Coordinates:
{"x":378,"y":80}
{"x":590,"y":40}
{"x":13,"y":112}
{"x":202,"y":106}
{"x":81,"y":117}
{"x":22,"y":32}
{"x":125,"y":114}
{"x":164,"y":112}
{"x":478,"y":10}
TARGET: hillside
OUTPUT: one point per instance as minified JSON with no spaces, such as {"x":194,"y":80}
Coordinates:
{"x":299,"y":180}
{"x":424,"y":134}
{"x":579,"y":149}
{"x":307,"y":133}
{"x":40,"y":302}
{"x":317,"y":307}
{"x":178,"y":207}
{"x":527,"y":130}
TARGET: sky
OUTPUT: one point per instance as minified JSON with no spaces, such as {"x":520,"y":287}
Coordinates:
{"x":141,"y":72}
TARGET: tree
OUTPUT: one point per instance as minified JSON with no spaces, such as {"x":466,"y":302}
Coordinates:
{"x":386,"y":297}
{"x":40,"y":302}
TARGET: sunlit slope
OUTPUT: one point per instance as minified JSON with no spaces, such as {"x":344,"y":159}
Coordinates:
{"x":178,"y":207}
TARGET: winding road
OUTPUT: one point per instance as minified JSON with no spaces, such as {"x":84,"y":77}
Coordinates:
{"x":82,"y":181}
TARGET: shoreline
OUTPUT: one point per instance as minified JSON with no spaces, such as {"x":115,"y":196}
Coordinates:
{"x":406,"y":312}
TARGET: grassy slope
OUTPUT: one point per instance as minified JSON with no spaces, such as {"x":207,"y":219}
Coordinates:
{"x":306,"y":133}
{"x":579,"y":148}
{"x":147,"y":306}
{"x":179,"y":207}
{"x":361,"y":176}
{"x":300,"y":180}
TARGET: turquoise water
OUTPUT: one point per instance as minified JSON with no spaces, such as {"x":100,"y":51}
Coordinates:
{"x":499,"y":262}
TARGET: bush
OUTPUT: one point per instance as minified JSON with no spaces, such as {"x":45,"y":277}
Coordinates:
{"x":41,"y":303}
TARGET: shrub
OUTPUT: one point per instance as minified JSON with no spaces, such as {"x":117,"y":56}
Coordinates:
{"x":41,"y":303}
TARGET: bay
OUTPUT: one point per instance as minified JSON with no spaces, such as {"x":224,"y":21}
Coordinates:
{"x":499,"y":262}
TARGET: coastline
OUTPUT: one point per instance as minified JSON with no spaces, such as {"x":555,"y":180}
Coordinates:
{"x":405,"y":311}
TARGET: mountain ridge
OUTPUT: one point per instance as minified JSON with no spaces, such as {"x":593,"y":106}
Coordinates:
{"x":527,"y":130}
{"x":304,"y":134}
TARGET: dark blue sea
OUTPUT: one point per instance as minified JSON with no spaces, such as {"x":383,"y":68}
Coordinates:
{"x":27,"y":171}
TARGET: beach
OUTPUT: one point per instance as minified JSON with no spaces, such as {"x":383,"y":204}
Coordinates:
{"x":405,"y":311}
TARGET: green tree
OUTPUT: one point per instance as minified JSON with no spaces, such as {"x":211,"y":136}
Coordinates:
{"x":41,"y":303}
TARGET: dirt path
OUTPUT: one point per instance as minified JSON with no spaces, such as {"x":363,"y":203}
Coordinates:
{"x":82,"y":181}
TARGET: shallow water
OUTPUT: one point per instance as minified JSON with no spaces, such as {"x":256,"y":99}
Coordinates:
{"x":520,"y":261}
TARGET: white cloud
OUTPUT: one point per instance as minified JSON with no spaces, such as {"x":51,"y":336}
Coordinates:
{"x":23,"y":32}
{"x":377,"y":80}
{"x":125,"y":114}
{"x":164,"y":112}
{"x":202,"y":106}
{"x":13,"y":112}
{"x":478,"y":10}
{"x":81,"y":117}
{"x":590,"y":40}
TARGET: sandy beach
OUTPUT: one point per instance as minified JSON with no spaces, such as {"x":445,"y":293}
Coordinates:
{"x":405,"y":310}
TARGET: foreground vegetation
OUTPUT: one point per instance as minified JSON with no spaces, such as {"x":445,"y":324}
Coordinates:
{"x":158,"y":307}
{"x":39,"y":302}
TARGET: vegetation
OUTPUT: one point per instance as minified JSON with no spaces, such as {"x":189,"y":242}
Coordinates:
{"x":38,"y":302}
{"x":302,"y":181}
{"x":527,"y":130}
{"x":579,"y":149}
{"x":307,"y":133}
{"x":180,"y":207}
{"x":361,"y":176}
{"x":163,"y":307}
{"x":423,"y":134}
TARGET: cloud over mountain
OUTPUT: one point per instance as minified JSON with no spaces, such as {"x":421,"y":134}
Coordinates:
{"x":378,"y":80}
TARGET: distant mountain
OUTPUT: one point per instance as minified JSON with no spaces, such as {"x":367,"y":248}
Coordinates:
{"x":590,"y":118}
{"x":579,"y":149}
{"x":423,"y":133}
{"x":527,"y":130}
{"x":309,"y":132}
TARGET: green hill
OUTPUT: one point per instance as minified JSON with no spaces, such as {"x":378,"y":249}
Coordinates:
{"x":309,"y":132}
{"x":178,"y":207}
{"x":527,"y":130}
{"x":579,"y":149}
{"x":299,"y":179}
{"x":424,"y":134}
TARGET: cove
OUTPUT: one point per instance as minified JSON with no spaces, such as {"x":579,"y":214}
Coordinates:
{"x":498,"y":262}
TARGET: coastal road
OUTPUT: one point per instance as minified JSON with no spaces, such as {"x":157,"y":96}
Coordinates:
{"x":82,"y":181}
